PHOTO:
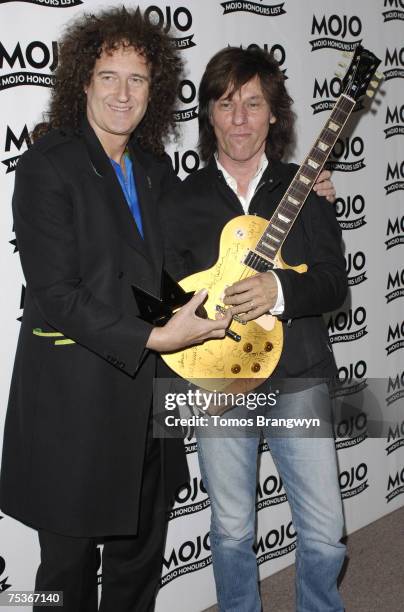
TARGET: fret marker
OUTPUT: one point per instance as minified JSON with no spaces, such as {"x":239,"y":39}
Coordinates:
{"x":268,"y":246}
{"x":283,"y":218}
{"x":312,"y":163}
{"x":278,"y":229}
{"x":322,"y":146}
{"x":333,"y":126}
{"x":293,"y":200}
{"x":304,"y":179}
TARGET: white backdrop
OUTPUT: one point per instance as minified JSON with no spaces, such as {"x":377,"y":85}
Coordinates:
{"x":367,"y":332}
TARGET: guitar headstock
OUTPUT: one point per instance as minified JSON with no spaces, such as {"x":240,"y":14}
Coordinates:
{"x":361,"y":73}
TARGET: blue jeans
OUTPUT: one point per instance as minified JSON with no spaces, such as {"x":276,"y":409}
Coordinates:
{"x":308,"y":469}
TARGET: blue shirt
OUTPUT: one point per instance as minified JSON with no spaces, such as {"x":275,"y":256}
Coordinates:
{"x":127,"y":182}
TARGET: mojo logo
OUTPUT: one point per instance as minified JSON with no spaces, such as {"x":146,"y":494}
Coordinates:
{"x":276,"y":543}
{"x":327,"y":92}
{"x":350,"y":379}
{"x":37,"y":55}
{"x":186,"y":161}
{"x":186,"y":95}
{"x":347,"y":211}
{"x":343,"y":149}
{"x":3,"y":583}
{"x":394,"y":58}
{"x":270,"y":492}
{"x":353,"y":481}
{"x":338,"y":27}
{"x":393,"y":13}
{"x":395,"y":388}
{"x":394,"y":116}
{"x":340,"y":325}
{"x":356,"y":262}
{"x":395,"y":436}
{"x":396,"y":229}
{"x":166,"y":17}
{"x":395,"y":485}
{"x":51,"y":3}
{"x":265,"y":10}
{"x":396,"y":174}
{"x":189,"y":492}
{"x":395,"y":286}
{"x":17,"y":141}
{"x":395,"y":336}
{"x":351,"y":430}
{"x":186,"y":558}
{"x":277,"y":51}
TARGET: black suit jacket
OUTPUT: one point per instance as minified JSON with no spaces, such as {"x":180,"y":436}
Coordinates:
{"x":78,"y":412}
{"x":196,"y":212}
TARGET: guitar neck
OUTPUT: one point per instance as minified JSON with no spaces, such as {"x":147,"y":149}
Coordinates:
{"x":292,"y":202}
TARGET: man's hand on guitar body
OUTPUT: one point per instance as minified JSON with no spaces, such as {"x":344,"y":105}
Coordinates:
{"x":252,"y":297}
{"x":186,"y":328}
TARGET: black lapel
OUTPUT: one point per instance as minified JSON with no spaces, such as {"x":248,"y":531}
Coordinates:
{"x":264,"y":201}
{"x":148,"y":191}
{"x":217,"y":178}
{"x":119,"y":206}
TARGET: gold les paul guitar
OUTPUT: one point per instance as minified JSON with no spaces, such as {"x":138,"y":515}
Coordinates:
{"x":249,"y":245}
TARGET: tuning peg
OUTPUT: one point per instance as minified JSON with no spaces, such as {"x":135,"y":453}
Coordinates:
{"x":370,"y":93}
{"x":347,"y":53}
{"x":342,"y":64}
{"x":339,"y":75}
{"x":374,"y":84}
{"x":379,"y":75}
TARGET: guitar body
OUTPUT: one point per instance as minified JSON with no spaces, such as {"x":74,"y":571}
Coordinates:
{"x":227,"y":365}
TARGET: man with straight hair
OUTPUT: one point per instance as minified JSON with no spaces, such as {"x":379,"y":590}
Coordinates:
{"x":245,"y":123}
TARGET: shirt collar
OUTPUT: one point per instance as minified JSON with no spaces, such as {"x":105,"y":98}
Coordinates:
{"x":263,"y":163}
{"x":232,"y":183}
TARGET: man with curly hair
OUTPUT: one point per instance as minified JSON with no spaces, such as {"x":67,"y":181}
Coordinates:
{"x":245,"y":125}
{"x":79,"y":461}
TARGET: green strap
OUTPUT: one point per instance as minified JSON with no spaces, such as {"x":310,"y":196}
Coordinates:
{"x":37,"y":331}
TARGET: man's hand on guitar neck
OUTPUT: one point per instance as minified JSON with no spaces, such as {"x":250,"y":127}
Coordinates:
{"x":186,"y":328}
{"x":325,"y":187}
{"x":252,"y":297}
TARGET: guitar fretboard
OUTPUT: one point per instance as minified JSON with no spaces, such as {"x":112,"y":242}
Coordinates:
{"x":289,"y":207}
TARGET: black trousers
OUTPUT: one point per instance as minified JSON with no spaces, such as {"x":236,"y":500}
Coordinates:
{"x":131,"y":565}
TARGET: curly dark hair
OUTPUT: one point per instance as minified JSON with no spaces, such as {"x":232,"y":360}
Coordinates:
{"x":82,"y":44}
{"x":231,"y":68}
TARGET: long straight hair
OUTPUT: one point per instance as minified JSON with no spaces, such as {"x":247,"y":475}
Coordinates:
{"x":229,"y":70}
